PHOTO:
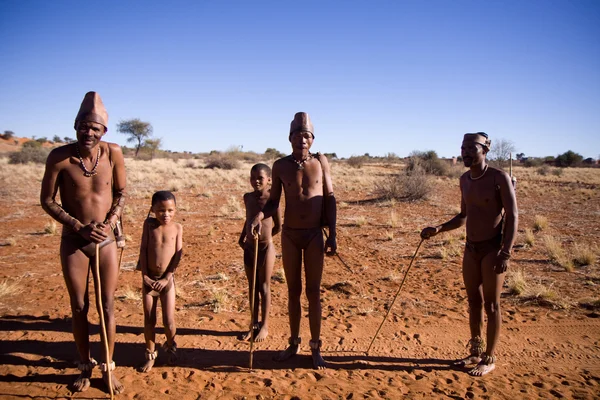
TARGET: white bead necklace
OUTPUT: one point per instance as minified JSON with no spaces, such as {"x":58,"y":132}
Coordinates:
{"x":480,"y":176}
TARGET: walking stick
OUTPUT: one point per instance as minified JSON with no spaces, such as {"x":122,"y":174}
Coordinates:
{"x":252,"y":299}
{"x":397,"y":293}
{"x":98,"y":290}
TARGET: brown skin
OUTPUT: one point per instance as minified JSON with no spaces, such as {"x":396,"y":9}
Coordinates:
{"x":481,"y":209}
{"x":254,"y":202}
{"x":160,"y":254}
{"x":86,"y":210}
{"x":305,"y":190}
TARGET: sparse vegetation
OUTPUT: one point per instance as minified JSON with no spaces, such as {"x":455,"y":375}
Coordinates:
{"x":8,"y":288}
{"x":50,"y":228}
{"x":583,"y":255}
{"x":29,"y":154}
{"x":222,"y":161}
{"x":540,"y":223}
{"x":557,"y":254}
{"x":529,"y":237}
{"x":409,"y":186}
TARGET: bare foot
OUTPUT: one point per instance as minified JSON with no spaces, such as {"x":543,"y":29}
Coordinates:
{"x":246,"y":335}
{"x":315,"y":348}
{"x":150,"y":359}
{"x":485,"y":366}
{"x":470,"y":360}
{"x":290,"y":352}
{"x":116,"y":385}
{"x":82,"y":383}
{"x":482,"y":369}
{"x":171,"y":350}
{"x":262,"y":334}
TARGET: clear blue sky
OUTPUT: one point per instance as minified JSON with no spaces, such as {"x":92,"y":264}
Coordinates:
{"x":375,"y":76}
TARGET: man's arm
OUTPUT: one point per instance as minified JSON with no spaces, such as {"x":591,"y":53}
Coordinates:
{"x":456,"y":222}
{"x":276,"y":222}
{"x":49,"y":190}
{"x":330,"y":206}
{"x":119,"y":182}
{"x":144,"y":254}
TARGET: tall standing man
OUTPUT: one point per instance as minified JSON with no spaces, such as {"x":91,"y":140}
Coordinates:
{"x":90,"y":177}
{"x":309,"y":200}
{"x":489,"y":207}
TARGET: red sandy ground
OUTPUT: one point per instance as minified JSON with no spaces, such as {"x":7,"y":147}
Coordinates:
{"x":544,"y":352}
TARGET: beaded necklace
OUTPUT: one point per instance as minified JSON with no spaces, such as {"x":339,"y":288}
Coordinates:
{"x":86,"y":172}
{"x":480,"y":176}
{"x":302,"y":162}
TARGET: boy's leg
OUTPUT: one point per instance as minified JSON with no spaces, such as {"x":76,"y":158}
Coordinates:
{"x":149,"y":302}
{"x":313,"y":270}
{"x":291,"y":255}
{"x":266,"y":260}
{"x":492,"y":288}
{"x":167,"y":300}
{"x":109,"y":275}
{"x":75,"y":267}
{"x":473,"y":282}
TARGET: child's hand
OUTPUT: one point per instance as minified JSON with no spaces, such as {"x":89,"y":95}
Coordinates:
{"x":148,"y":281}
{"x":330,"y":246}
{"x":160,"y":284}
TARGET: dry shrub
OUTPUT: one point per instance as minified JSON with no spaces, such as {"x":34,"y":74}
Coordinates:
{"x":9,"y":288}
{"x":529,"y":237}
{"x":36,"y":155}
{"x":9,"y":242}
{"x":543,"y":170}
{"x":558,"y":171}
{"x":430,"y":162}
{"x":222,"y":161}
{"x":540,"y":223}
{"x":534,"y":292}
{"x":409,"y":186}
{"x":50,"y":228}
{"x":356,"y":161}
{"x":279,"y":276}
{"x":129,"y":294}
{"x":516,"y":282}
{"x":393,"y":221}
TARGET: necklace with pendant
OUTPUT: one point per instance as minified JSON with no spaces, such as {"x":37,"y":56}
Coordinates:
{"x":303,"y":161}
{"x":86,"y":172}
{"x":480,"y":176}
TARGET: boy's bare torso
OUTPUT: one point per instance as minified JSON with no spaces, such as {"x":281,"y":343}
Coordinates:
{"x":85,"y":198}
{"x":483,"y":204}
{"x":162,"y":246}
{"x":254,"y":204}
{"x":303,"y":192}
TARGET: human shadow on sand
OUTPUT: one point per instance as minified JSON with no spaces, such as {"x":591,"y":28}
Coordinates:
{"x":45,"y":323}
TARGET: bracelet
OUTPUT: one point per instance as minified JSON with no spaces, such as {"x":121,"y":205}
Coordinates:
{"x":505,"y":254}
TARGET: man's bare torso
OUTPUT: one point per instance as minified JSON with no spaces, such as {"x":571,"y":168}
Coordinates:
{"x":303,"y":190}
{"x":483,"y":205}
{"x":162,"y":246}
{"x":85,"y":198}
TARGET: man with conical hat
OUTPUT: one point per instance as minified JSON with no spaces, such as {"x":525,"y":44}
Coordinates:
{"x":90,"y":176}
{"x":305,"y":179}
{"x":489,"y":209}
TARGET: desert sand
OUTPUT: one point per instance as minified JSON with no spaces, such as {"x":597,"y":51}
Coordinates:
{"x":550,"y":343}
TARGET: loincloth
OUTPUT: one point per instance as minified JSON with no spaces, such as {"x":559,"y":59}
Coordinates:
{"x":88,"y":248}
{"x":478,"y":250}
{"x":148,"y":290}
{"x":303,"y":237}
{"x":263,"y":247}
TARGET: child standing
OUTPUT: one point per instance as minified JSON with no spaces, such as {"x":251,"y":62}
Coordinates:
{"x":260,"y":179}
{"x":160,"y":253}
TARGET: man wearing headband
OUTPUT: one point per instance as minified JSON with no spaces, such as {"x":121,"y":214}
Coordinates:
{"x":90,"y":176}
{"x":306,"y":181}
{"x":489,"y":208}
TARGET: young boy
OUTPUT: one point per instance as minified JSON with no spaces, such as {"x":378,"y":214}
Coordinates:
{"x":160,"y":253}
{"x":260,"y":179}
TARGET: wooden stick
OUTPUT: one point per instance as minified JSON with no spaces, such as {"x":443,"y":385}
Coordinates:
{"x":98,"y":290}
{"x":397,"y":293}
{"x":254,"y":271}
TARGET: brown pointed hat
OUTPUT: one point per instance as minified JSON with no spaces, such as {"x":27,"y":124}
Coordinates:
{"x":479,"y":137}
{"x":92,"y":110}
{"x":301,"y":123}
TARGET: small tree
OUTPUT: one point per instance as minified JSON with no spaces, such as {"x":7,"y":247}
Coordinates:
{"x":136,"y":131}
{"x":568,"y":159}
{"x":153,"y":145}
{"x":501,"y":150}
{"x":57,"y":139}
{"x":8,"y":135}
{"x":67,"y":139}
{"x":273,"y":153}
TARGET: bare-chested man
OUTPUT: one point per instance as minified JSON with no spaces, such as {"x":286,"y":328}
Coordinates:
{"x":306,"y":181}
{"x":90,"y":175}
{"x":489,"y":207}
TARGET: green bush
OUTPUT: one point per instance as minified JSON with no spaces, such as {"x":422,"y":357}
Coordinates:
{"x":568,"y":159}
{"x":29,"y":154}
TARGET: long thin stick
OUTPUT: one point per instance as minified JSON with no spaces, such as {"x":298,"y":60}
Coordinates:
{"x":254,"y":270}
{"x":397,"y":293}
{"x":338,"y":255}
{"x":121,"y":257}
{"x":98,"y":289}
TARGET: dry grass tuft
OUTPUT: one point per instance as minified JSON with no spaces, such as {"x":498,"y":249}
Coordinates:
{"x":9,"y":288}
{"x":220,"y":277}
{"x":279,"y":276}
{"x":393,"y":221}
{"x":50,"y":228}
{"x":540,"y":223}
{"x":557,"y":254}
{"x":583,"y":255}
{"x":535,"y":292}
{"x":9,"y":242}
{"x":129,"y":294}
{"x":529,"y":237}
{"x":389,"y":235}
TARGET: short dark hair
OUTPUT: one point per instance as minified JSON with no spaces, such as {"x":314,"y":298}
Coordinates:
{"x":261,"y":167}
{"x":163,"y":195}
